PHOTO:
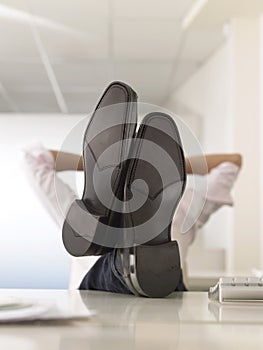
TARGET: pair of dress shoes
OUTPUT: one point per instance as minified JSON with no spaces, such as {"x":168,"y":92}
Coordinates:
{"x":134,"y":179}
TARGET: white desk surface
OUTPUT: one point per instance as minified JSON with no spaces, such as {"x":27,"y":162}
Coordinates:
{"x":182,"y":321}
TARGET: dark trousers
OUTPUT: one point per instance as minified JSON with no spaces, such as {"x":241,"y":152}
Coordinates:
{"x":106,"y":275}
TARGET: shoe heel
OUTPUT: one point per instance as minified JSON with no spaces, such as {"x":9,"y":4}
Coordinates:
{"x":79,"y":230}
{"x":153,"y":270}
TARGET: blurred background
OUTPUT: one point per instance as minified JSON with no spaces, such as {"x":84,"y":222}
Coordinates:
{"x":200,"y":59}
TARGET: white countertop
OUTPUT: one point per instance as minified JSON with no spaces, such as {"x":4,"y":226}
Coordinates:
{"x":182,"y":321}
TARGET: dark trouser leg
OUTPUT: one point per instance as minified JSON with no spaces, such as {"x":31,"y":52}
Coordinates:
{"x":106,"y":275}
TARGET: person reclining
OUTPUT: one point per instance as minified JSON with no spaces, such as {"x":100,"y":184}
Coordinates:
{"x":124,"y":167}
{"x":42,"y":171}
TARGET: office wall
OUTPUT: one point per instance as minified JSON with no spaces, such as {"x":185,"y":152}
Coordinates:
{"x":244,"y":44}
{"x":226,"y":96}
{"x":31,"y":250}
{"x":203,"y":101}
{"x":261,"y":133}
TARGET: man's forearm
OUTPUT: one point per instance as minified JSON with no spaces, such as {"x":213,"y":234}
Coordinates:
{"x":194,"y":165}
{"x":204,"y":164}
{"x":67,"y":161}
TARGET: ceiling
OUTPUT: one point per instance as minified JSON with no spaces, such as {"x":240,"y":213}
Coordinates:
{"x":58,"y":55}
{"x":212,"y":14}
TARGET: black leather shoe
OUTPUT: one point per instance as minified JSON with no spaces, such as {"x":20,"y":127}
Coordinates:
{"x":87,"y":229}
{"x":133,"y":185}
{"x":154,"y":186}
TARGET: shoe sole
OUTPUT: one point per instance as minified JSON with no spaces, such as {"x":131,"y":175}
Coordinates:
{"x":113,"y":121}
{"x":152,"y":265}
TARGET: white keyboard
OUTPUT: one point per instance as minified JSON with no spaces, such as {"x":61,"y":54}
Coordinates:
{"x":231,"y":289}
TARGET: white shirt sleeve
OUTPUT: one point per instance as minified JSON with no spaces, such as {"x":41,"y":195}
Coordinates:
{"x":220,"y":182}
{"x":39,"y":166}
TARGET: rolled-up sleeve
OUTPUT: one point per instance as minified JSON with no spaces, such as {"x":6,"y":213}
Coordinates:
{"x":197,"y":205}
{"x":220,"y":182}
{"x":55,"y":195}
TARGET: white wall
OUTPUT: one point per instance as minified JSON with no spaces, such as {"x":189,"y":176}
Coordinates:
{"x":245,"y":63}
{"x":206,"y":95}
{"x":261,"y":133}
{"x":225,"y":94}
{"x":203,"y":102}
{"x":31,"y":249}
